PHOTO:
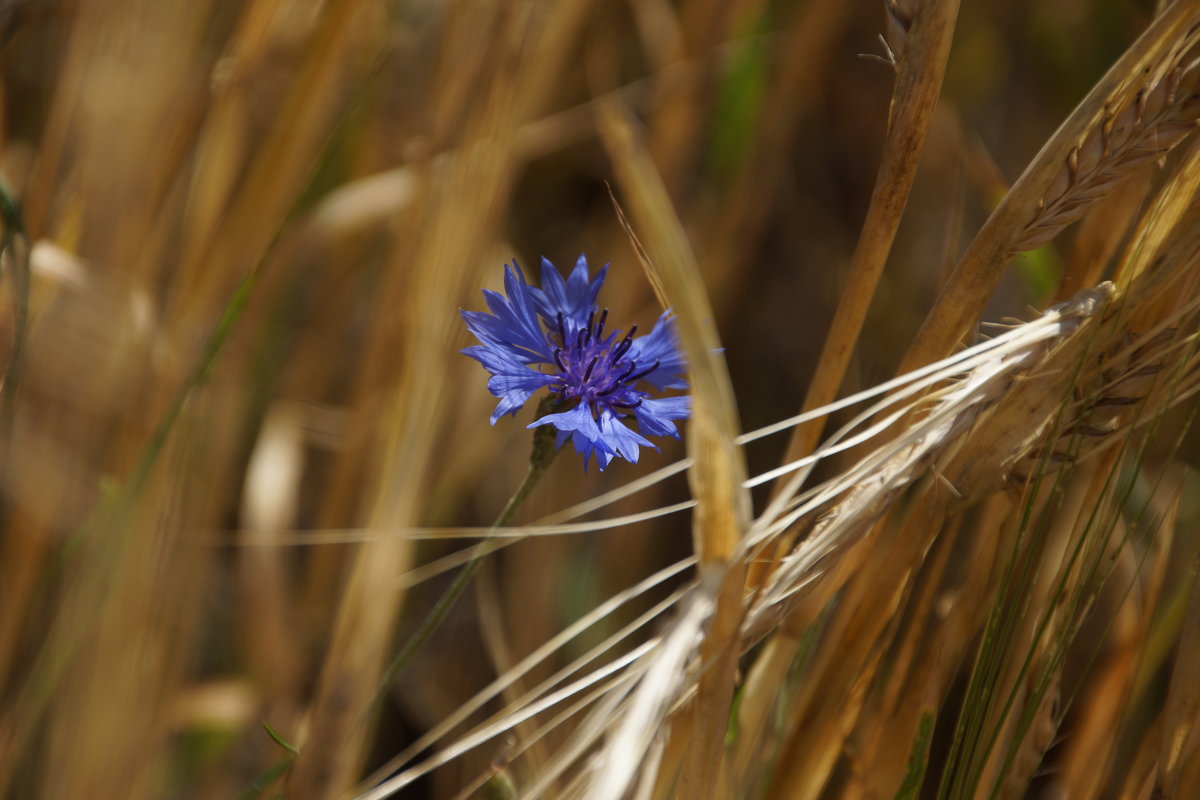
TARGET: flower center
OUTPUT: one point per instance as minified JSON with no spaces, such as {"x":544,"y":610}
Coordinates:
{"x":594,"y":368}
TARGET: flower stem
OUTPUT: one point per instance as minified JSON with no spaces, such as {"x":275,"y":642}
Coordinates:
{"x":543,"y":453}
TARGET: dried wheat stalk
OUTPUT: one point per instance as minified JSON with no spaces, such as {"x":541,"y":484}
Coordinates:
{"x":1010,"y":366}
{"x":1158,"y":116}
{"x":1159,"y":68}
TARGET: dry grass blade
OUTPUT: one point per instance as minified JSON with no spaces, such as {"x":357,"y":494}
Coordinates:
{"x":665,"y":680}
{"x":1149,"y":124}
{"x":1017,"y":410}
{"x":1100,"y":235}
{"x":718,"y":472}
{"x":595,"y":617}
{"x":919,"y":73}
{"x":924,"y":47}
{"x":1183,"y":700}
{"x":1168,"y":214}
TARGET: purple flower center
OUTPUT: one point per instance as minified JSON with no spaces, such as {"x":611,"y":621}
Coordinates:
{"x":593,"y":368}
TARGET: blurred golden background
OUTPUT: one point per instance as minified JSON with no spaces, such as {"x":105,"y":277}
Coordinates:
{"x":238,"y":236}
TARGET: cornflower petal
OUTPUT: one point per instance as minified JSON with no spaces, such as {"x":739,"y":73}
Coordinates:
{"x":513,"y":324}
{"x":515,"y":390}
{"x":654,"y":415}
{"x":585,"y":433}
{"x":661,"y":345}
{"x":494,"y":359}
{"x":620,"y":438}
{"x":574,"y":298}
{"x":586,"y":447}
{"x":512,"y":381}
{"x":518,"y":316}
{"x":580,"y":288}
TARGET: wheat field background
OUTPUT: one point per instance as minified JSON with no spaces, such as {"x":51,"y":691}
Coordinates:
{"x":932,"y":531}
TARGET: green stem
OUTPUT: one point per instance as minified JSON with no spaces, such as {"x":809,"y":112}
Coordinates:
{"x":544,"y":451}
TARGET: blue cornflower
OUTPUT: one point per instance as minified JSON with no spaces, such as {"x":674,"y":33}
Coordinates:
{"x":555,"y":337}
